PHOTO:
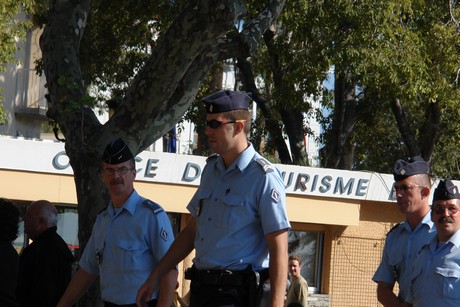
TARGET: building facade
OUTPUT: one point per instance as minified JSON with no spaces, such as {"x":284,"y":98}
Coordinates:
{"x":339,"y":218}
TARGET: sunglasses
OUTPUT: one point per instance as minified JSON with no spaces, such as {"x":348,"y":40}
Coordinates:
{"x":404,"y":187}
{"x":111,"y":171}
{"x":214,"y":124}
{"x":440,"y":209}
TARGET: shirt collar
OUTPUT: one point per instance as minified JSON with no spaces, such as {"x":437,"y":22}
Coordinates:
{"x":130,"y":204}
{"x":425,"y":221}
{"x":241,"y":162}
{"x":455,"y":239}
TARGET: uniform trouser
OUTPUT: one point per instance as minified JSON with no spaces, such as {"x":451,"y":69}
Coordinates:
{"x":218,"y":296}
{"x":151,"y":303}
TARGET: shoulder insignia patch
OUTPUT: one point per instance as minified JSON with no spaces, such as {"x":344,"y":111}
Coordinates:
{"x":275,"y":195}
{"x":164,"y":234}
{"x":156,"y":208}
{"x":212,"y":157}
{"x":266,"y":166}
{"x":394,"y":227}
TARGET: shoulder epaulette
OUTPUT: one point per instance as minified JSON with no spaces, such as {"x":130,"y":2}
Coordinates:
{"x":156,"y":208}
{"x":212,"y":157}
{"x":394,"y":227}
{"x":266,"y":166}
{"x":103,"y":209}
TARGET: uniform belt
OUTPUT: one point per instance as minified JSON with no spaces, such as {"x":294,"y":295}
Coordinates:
{"x":217,"y":277}
{"x":151,"y":303}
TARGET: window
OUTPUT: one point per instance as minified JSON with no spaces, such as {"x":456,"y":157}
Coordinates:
{"x":67,"y":227}
{"x":309,"y":246}
{"x":19,"y":242}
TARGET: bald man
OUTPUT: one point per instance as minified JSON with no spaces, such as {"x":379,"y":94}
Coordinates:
{"x":45,"y":266}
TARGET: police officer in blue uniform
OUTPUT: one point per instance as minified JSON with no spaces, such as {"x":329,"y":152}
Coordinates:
{"x":129,"y":237}
{"x":436,"y":273}
{"x":239,"y":226}
{"x":412,"y":190}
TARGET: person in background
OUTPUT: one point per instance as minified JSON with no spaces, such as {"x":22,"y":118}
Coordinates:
{"x":436,"y":271}
{"x":45,"y":266}
{"x":9,"y":264}
{"x":129,"y":237}
{"x":265,"y":301}
{"x":412,"y":190}
{"x":298,"y":291}
{"x":239,"y":226}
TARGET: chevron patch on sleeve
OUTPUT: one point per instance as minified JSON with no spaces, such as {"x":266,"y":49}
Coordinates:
{"x":275,"y":195}
{"x":164,"y":234}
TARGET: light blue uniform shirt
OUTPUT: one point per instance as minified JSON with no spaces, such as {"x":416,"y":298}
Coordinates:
{"x":402,"y":245}
{"x":436,"y":275}
{"x":234,"y":209}
{"x":124,"y":247}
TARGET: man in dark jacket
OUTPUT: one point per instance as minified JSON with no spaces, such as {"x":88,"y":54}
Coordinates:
{"x":45,"y":266}
{"x":9,"y":264}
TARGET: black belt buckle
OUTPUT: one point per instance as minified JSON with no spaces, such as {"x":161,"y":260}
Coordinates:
{"x":216,"y":277}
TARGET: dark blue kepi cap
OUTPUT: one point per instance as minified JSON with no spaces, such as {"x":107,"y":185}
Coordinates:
{"x":446,"y":190}
{"x":412,"y":166}
{"x":116,"y":152}
{"x":224,"y":101}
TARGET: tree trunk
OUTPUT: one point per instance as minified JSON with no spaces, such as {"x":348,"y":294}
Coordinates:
{"x":404,"y":128}
{"x":431,"y":130}
{"x":271,"y":124}
{"x":293,"y":122}
{"x":338,"y":152}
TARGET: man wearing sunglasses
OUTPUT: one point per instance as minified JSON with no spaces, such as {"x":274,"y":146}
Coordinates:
{"x":239,"y":223}
{"x":411,"y":189}
{"x":436,"y":273}
{"x":129,"y":237}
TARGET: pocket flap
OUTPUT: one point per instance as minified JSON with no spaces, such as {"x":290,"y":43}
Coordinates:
{"x":204,"y":194}
{"x":448,"y":272}
{"x":129,"y":245}
{"x":233,"y":200}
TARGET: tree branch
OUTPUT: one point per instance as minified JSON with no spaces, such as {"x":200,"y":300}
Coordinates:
{"x":404,"y":127}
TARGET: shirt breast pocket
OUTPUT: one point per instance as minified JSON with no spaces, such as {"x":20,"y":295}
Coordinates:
{"x":450,"y":282}
{"x":132,"y":255}
{"x":234,"y":212}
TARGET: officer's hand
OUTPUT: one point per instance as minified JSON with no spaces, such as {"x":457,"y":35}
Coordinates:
{"x":145,"y":292}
